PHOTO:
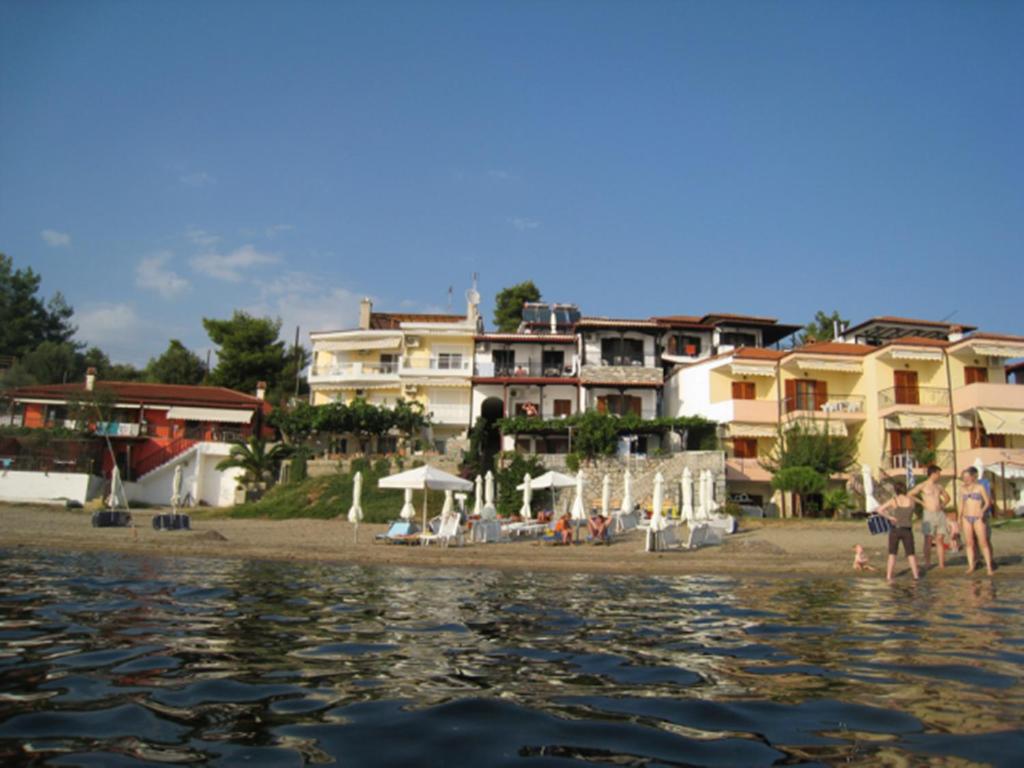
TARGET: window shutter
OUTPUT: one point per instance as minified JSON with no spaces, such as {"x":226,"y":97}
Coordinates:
{"x":820,"y":394}
{"x":790,"y":395}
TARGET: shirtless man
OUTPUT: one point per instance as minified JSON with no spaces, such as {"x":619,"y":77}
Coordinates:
{"x":974,"y":500}
{"x":933,"y":499}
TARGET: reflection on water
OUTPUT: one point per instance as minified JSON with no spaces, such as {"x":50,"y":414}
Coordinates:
{"x":112,"y":660}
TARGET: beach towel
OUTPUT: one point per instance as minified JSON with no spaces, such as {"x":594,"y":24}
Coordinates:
{"x":878,"y":524}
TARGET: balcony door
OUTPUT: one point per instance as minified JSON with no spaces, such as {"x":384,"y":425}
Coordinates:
{"x":620,"y":405}
{"x":975,"y":374}
{"x":743,"y":390}
{"x":504,"y":362}
{"x":805,"y":395}
{"x":907,"y":392}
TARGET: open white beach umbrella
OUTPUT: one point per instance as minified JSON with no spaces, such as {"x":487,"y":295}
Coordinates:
{"x":551,"y":480}
{"x":606,"y":495}
{"x":478,"y":496}
{"x":408,"y":510}
{"x":489,"y":512}
{"x":687,"y":511}
{"x":176,"y":489}
{"x":355,"y":512}
{"x":657,"y":519}
{"x":627,"y":492}
{"x":425,"y":478}
{"x":870,"y":502}
{"x":524,"y":511}
{"x":579,"y":511}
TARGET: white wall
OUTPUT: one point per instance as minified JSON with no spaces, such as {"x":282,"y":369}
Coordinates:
{"x":49,"y":487}
{"x":688,"y":393}
{"x":200,"y":478}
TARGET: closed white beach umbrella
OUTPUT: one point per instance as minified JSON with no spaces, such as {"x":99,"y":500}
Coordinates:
{"x":490,"y":511}
{"x":870,"y":502}
{"x":355,"y":512}
{"x":448,"y":508}
{"x":702,"y":491}
{"x":606,"y":495}
{"x":712,"y":504}
{"x":980,"y":466}
{"x":627,"y":492}
{"x":176,"y":489}
{"x":578,"y":511}
{"x":118,"y":499}
{"x":524,"y":511}
{"x":657,"y":519}
{"x":408,"y":510}
{"x":478,"y":496}
{"x":687,"y":511}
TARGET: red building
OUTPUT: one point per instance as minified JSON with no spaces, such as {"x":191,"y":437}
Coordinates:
{"x":147,"y":424}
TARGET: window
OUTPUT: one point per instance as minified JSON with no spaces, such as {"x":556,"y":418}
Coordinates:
{"x":389,"y":363}
{"x":744,"y":447}
{"x":975,"y":374}
{"x":805,"y":395}
{"x":504,"y":362}
{"x":563,"y":408}
{"x":620,"y":405}
{"x":622,"y":351}
{"x":736,"y":339}
{"x":905,"y":388}
{"x":743,"y":390}
{"x":527,"y":409}
{"x":902,"y":441}
{"x":449,"y":361}
{"x":552,"y":361}
{"x":982,"y":439}
{"x":679,"y":344}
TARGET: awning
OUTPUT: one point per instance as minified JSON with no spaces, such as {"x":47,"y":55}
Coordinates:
{"x":842,"y":366}
{"x":997,"y":422}
{"x":933,"y":355}
{"x":1012,"y":471}
{"x":742,"y":369}
{"x":209,"y":414}
{"x":389,"y":342}
{"x":750,"y":430}
{"x":917,"y":421}
{"x":835,"y":428}
{"x":997,"y":350}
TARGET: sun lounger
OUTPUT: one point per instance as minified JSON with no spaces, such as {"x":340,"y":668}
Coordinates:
{"x":524,"y":529}
{"x":624,"y":521}
{"x":666,"y":538}
{"x":400,"y":532}
{"x":485,"y":531}
{"x":450,"y":530}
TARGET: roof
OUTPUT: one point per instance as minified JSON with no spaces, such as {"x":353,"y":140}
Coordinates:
{"x":609,"y":322}
{"x":755,"y":353}
{"x":714,"y":317}
{"x":833,"y":348}
{"x":935,"y":326}
{"x":982,"y":335}
{"x":531,"y":338}
{"x":391,"y":320}
{"x":144,"y":393}
{"x":917,"y":341}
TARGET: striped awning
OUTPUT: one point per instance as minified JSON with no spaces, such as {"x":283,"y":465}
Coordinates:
{"x":356,"y":345}
{"x":222,"y":415}
{"x":933,"y":355}
{"x":999,"y":422}
{"x":841,"y":366}
{"x":917,"y":421}
{"x":998,"y":350}
{"x":750,"y":430}
{"x":748,"y":369}
{"x":822,"y":426}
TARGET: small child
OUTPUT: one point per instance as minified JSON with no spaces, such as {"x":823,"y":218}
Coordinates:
{"x":860,"y":559}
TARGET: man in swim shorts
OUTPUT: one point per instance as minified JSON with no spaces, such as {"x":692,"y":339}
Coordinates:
{"x":931,"y":496}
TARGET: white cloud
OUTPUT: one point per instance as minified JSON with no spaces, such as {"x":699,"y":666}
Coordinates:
{"x":277,"y":229}
{"x":152,"y":274}
{"x":201,"y":237}
{"x":197,"y":179}
{"x":523,"y":224}
{"x":117,"y":329}
{"x":231,"y":266}
{"x":55,"y":239}
{"x":304,"y":300}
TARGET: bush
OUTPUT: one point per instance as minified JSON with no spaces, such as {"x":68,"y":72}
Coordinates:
{"x":298,"y":468}
{"x":361,"y":464}
{"x":572,"y":462}
{"x":509,"y":500}
{"x":382,"y":467}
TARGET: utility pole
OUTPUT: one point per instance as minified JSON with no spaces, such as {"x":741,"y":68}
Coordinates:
{"x":298,"y":362}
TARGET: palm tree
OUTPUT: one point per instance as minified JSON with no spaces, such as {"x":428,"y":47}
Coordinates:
{"x":258,"y":460}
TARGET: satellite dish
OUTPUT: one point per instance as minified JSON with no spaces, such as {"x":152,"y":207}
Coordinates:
{"x":473,"y":296}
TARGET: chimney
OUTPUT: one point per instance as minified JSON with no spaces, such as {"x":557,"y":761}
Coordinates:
{"x":90,"y":379}
{"x":365,"y":310}
{"x":956,"y":333}
{"x":554,"y":320}
{"x":261,"y":390}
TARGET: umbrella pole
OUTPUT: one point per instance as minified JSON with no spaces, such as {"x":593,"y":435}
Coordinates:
{"x":425,"y":492}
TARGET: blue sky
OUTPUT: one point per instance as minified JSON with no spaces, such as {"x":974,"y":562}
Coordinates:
{"x":165,"y":161}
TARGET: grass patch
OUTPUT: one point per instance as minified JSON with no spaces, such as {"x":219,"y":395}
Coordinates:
{"x":1016,"y":524}
{"x":327,"y":497}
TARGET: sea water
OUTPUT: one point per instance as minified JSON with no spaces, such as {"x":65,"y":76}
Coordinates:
{"x":113,"y":660}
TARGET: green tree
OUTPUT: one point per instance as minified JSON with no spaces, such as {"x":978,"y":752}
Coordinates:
{"x":409,"y":418}
{"x":53,"y":362}
{"x":808,"y":444}
{"x":257,"y":459}
{"x":94,"y":357}
{"x":248,"y":351}
{"x":835,"y":500}
{"x":508,"y":305}
{"x":297,"y":358}
{"x":822,"y":328}
{"x":25,"y":319}
{"x":510,"y":474}
{"x":176,"y":365}
{"x":801,"y":481}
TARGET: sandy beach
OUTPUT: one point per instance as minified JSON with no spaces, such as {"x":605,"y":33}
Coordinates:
{"x":804,"y":547}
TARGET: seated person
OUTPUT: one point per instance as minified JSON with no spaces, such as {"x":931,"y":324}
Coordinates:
{"x":563,"y":529}
{"x":545,"y":516}
{"x":598,"y":526}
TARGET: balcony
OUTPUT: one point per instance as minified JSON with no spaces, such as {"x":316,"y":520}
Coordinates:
{"x":984,"y":395}
{"x":528,"y":369}
{"x":339,"y":373}
{"x":457,"y":413}
{"x":747,"y":411}
{"x":913,"y":400}
{"x":901,"y":461}
{"x":118,"y":429}
{"x":746,"y":470}
{"x":835,"y":406}
{"x":453,"y":365}
{"x":990,"y":457}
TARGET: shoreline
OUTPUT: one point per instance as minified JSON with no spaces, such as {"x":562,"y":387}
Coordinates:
{"x":801,"y":548}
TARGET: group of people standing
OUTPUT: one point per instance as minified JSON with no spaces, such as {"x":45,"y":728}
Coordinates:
{"x":972,"y":520}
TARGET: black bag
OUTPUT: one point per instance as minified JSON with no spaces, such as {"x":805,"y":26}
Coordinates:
{"x":878,"y":524}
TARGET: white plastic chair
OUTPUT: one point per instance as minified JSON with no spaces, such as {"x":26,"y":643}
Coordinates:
{"x":450,"y":530}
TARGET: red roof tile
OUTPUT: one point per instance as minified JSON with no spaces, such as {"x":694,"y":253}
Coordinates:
{"x":388,"y":320}
{"x":917,"y":341}
{"x":144,"y":393}
{"x":833,"y":348}
{"x":756,"y":353}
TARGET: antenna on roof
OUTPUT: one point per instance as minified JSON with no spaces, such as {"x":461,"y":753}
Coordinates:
{"x":950,"y":315}
{"x":449,"y":299}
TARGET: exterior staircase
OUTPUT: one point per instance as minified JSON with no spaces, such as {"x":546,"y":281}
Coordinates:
{"x":158,"y":458}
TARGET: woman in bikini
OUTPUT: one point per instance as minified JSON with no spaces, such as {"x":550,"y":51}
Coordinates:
{"x":974,"y":500}
{"x":900,"y":512}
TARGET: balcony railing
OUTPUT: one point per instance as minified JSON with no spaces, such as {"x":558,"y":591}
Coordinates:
{"x":931,"y":397}
{"x":531,"y":369}
{"x":443,"y":364}
{"x":356,"y":369}
{"x":834,"y":404}
{"x":450,"y":413}
{"x":117,"y":429}
{"x":904,"y":460}
{"x":627,"y":360}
